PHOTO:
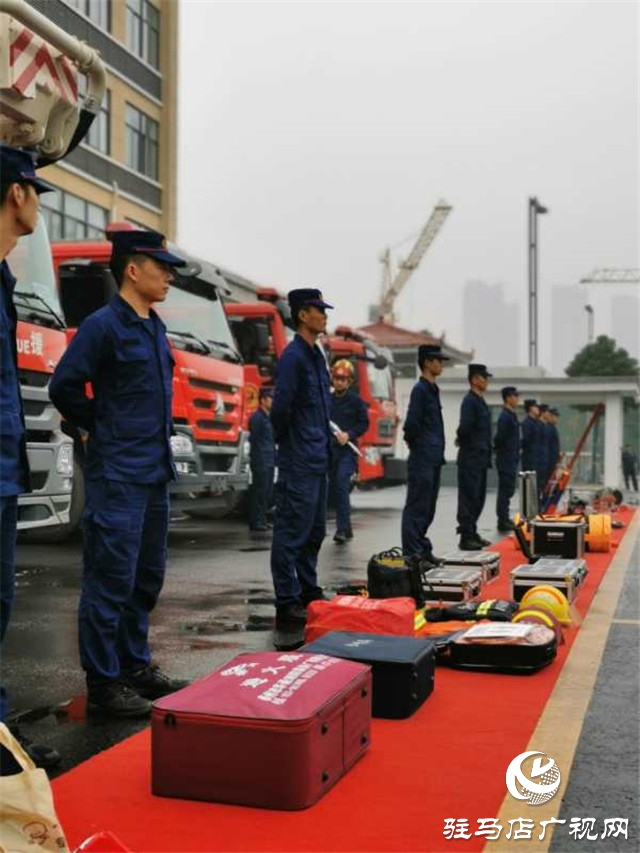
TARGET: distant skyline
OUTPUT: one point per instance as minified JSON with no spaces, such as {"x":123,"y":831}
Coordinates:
{"x":313,"y":135}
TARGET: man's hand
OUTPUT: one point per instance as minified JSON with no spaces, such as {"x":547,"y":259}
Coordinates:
{"x":342,"y":438}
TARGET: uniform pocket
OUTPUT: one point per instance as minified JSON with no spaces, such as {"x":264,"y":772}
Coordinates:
{"x":132,"y":369}
{"x":136,"y":427}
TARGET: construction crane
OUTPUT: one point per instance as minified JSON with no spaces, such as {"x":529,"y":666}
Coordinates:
{"x":392,"y":286}
{"x":612,"y":276}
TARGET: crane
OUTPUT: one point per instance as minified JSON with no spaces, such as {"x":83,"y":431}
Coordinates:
{"x":392,"y":287}
{"x":612,"y":276}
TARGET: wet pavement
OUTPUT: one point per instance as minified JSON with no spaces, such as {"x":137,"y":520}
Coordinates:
{"x":217,"y":601}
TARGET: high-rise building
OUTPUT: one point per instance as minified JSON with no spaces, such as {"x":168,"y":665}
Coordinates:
{"x":125,"y":168}
{"x":490,"y":324}
{"x":625,"y":322}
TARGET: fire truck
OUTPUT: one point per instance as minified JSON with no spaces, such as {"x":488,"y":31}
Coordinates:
{"x":40,"y":109}
{"x":262,"y":330}
{"x":209,"y":445}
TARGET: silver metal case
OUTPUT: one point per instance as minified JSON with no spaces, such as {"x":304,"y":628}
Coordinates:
{"x":565,"y":575}
{"x":488,"y":562}
{"x":451,"y":583}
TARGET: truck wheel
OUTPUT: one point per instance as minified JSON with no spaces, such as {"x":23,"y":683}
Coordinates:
{"x":231,"y":504}
{"x":76,"y":508}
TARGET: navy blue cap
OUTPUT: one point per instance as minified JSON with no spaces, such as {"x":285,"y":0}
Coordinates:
{"x":555,"y":412}
{"x":530,"y":402}
{"x":306,"y":296}
{"x":426,"y":351}
{"x":149,"y":243}
{"x":479,"y":370}
{"x":509,"y":391}
{"x":265,"y":392}
{"x":543,"y":407}
{"x":18,"y":166}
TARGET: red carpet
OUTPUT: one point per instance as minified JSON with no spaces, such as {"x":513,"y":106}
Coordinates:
{"x":447,"y":761}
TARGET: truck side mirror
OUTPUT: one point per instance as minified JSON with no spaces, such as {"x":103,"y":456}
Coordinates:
{"x":380,"y":361}
{"x":266,"y":365}
{"x":262,"y":337}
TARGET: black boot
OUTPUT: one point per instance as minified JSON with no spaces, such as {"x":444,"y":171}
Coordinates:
{"x":151,"y":682}
{"x":341,"y":537}
{"x":505,"y":525}
{"x":466,"y":543}
{"x":484,"y":543}
{"x":116,"y":699}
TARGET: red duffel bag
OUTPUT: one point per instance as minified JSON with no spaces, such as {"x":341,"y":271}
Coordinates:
{"x":363,"y":615}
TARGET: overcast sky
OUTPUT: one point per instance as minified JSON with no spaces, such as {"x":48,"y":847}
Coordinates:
{"x":315,"y":134}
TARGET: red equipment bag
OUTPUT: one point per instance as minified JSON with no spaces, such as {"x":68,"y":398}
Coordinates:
{"x":268,"y":729}
{"x":362,"y":615}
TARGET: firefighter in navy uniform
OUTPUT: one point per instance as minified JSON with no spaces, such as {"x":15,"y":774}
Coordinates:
{"x":507,"y":448}
{"x":554,"y":454}
{"x":474,"y":458}
{"x":349,"y":412}
{"x":544,"y":452}
{"x":424,"y":434}
{"x":123,"y":352}
{"x":300,"y":416}
{"x":262,"y":460}
{"x":529,"y":437}
{"x":19,"y":191}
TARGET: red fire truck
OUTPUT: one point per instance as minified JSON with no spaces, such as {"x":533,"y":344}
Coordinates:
{"x":208,"y":386}
{"x":40,"y":109}
{"x":262,"y":330}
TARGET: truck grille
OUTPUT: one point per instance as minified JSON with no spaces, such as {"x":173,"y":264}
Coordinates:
{"x":38,"y":480}
{"x":199,"y":403}
{"x":34,"y":408}
{"x":217,"y":464}
{"x":33,"y":378}
{"x":41,"y":436}
{"x":221,"y":425}
{"x":213,"y":386}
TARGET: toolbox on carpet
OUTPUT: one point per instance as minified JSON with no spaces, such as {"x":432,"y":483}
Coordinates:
{"x":557,"y":538}
{"x":403,"y":668}
{"x":487,"y":561}
{"x":565,"y":575}
{"x":452,"y":584}
{"x":268,"y":729}
{"x":367,"y":615}
{"x":504,"y":647}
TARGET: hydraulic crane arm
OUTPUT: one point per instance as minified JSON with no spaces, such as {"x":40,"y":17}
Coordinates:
{"x":427,"y":236}
{"x":611,"y":276}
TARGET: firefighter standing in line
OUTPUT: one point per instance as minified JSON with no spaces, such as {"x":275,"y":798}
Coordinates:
{"x":529,"y":433}
{"x":300,"y":416}
{"x":424,"y":435}
{"x":19,"y":191}
{"x":544,"y":451}
{"x":629,"y":468}
{"x":122,"y":350}
{"x":349,"y":412}
{"x":474,"y":458}
{"x":262,"y":459}
{"x":507,"y":447}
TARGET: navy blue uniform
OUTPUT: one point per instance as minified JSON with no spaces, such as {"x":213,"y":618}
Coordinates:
{"x":14,"y":467}
{"x":530,"y":444}
{"x":300,"y":418}
{"x":507,"y":447}
{"x":349,"y":412}
{"x":551,"y":451}
{"x":424,"y":434}
{"x":128,"y":361}
{"x":262,"y":460}
{"x":474,"y":458}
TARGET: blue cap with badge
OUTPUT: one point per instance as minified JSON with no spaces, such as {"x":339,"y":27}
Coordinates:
{"x":149,"y":243}
{"x":509,"y":391}
{"x":19,"y":167}
{"x":306,"y":296}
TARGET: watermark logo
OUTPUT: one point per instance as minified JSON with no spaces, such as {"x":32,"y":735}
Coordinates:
{"x":534,"y":782}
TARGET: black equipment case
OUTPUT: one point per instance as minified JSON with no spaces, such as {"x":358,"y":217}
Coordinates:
{"x":392,"y":575}
{"x":402,"y":668}
{"x":565,"y":575}
{"x":503,"y":647}
{"x":561,"y":539}
{"x":488,"y":562}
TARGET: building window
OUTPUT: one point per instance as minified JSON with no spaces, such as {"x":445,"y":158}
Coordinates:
{"x":142,"y":143}
{"x":98,"y":11}
{"x":143,"y":30}
{"x":99,"y":135}
{"x":69,"y":217}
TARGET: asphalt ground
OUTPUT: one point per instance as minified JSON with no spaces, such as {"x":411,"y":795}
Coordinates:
{"x":217,"y":601}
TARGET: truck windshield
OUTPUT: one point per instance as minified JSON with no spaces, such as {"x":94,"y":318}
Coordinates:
{"x":380,"y":382}
{"x":199,"y":315}
{"x":36,"y":294}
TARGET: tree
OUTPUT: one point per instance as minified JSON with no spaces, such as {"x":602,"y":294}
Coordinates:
{"x":603,"y":358}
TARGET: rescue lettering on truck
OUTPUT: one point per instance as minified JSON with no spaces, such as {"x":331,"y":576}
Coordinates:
{"x":262,"y":330}
{"x":208,"y":381}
